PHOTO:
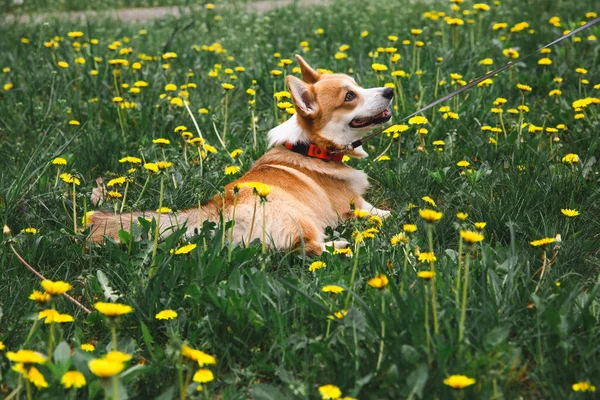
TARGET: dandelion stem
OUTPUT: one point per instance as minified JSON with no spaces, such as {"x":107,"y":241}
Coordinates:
{"x":51,"y":339}
{"x":353,"y":275}
{"x":463,"y":308}
{"x":253,"y":129}
{"x":115,"y":388}
{"x":157,"y":231}
{"x":252,"y":223}
{"x":31,"y":331}
{"x":382,"y":343}
{"x":433,"y":286}
{"x":124,"y":197}
{"x":427,"y":337}
{"x":235,"y":195}
{"x":142,"y":193}
{"x":74,"y":208}
{"x":28,"y":388}
{"x":404,"y":269}
{"x":458,"y":271}
{"x":113,"y":332}
{"x":225,"y":119}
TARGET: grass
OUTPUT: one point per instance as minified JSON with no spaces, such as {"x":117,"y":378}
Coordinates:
{"x":268,"y":326}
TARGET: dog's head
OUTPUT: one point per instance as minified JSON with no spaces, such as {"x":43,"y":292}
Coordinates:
{"x":333,"y":110}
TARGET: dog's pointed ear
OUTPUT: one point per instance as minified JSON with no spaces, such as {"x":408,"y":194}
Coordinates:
{"x":309,"y":75}
{"x":302,"y":96}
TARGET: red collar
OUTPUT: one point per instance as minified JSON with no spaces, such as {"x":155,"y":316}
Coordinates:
{"x":312,"y":150}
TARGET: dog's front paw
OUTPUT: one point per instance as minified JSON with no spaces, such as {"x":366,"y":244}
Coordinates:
{"x":381,"y":213}
{"x":336,"y":244}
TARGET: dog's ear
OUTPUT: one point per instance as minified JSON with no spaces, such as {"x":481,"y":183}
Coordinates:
{"x":309,"y":75}
{"x":303,"y":97}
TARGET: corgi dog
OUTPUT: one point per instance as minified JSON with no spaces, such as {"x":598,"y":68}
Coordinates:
{"x":311,"y":187}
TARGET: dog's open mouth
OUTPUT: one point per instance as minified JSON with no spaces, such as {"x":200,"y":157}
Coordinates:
{"x":380,"y":118}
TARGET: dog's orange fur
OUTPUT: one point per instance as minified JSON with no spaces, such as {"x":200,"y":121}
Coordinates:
{"x":307,"y":194}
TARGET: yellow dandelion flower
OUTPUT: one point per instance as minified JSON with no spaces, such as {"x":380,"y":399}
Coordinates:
{"x":570,"y":158}
{"x":480,"y":225}
{"x":458,"y":381}
{"x":430,"y":215}
{"x":104,"y":368}
{"x":398,"y":238}
{"x":330,"y":392}
{"x":418,"y":120}
{"x":184,"y":249}
{"x":87,"y":347}
{"x":163,"y":210}
{"x":361,"y":213}
{"x":427,"y":275}
{"x":378,"y":281}
{"x":199,"y":356}
{"x":542,"y":242}
{"x":332,"y":289}
{"x":583,"y":387}
{"x":112,"y":309}
{"x":409,"y":228}
{"x":471,"y":237}
{"x":35,"y":376}
{"x":203,"y":375}
{"x":55,"y":288}
{"x":26,"y":357}
{"x":161,"y":141}
{"x":569,"y":212}
{"x":426,"y":257}
{"x":429,"y":200}
{"x":315,"y":265}
{"x":40,"y":297}
{"x":73,"y":379}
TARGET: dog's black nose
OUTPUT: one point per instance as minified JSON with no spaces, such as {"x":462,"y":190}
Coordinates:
{"x":388,"y":93}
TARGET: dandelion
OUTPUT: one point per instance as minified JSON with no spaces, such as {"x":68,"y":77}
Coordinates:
{"x":330,"y":392}
{"x":462,"y":216}
{"x":161,"y":141}
{"x":73,"y":379}
{"x":87,"y":347}
{"x":166,"y":315}
{"x":184,"y":249}
{"x":430,"y":215}
{"x":426,"y":275}
{"x":315,"y":265}
{"x":480,"y":225}
{"x":429,"y":200}
{"x":35,"y":376}
{"x":361,"y":213}
{"x":378,"y":281}
{"x":583,"y":387}
{"x":427,"y":257}
{"x":26,"y":357}
{"x":409,"y":228}
{"x":113,"y":309}
{"x":55,"y":288}
{"x":198,"y":356}
{"x":203,"y":375}
{"x":418,"y":120}
{"x":40,"y":297}
{"x":459,"y":381}
{"x":232,"y":170}
{"x":104,"y":368}
{"x":542,"y":242}
{"x":570,"y":158}
{"x":569,"y":212}
{"x":471,"y":237}
{"x":332,"y":289}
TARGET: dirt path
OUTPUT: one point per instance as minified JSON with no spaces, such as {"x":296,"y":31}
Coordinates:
{"x":149,"y":14}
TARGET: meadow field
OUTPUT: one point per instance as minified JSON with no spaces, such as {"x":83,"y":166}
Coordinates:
{"x":483,"y":284}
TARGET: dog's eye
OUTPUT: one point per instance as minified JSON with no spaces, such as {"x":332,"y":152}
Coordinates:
{"x":350,"y":96}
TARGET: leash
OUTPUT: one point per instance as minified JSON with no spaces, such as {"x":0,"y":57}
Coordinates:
{"x":360,"y":142}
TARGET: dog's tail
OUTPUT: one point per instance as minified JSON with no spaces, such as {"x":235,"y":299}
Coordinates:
{"x":106,"y":224}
